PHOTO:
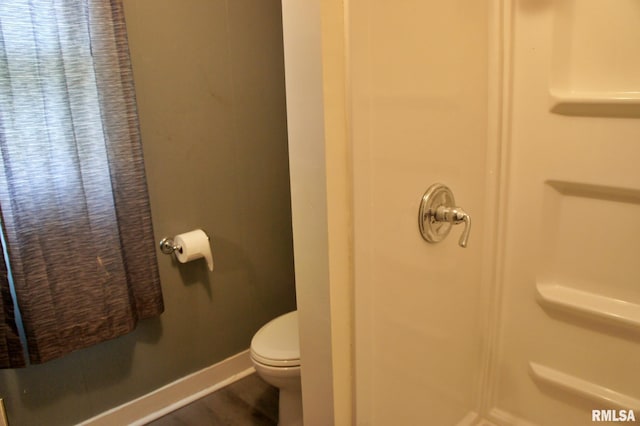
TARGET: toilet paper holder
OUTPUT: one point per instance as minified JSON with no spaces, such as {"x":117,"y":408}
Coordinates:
{"x":167,"y":246}
{"x":188,"y":246}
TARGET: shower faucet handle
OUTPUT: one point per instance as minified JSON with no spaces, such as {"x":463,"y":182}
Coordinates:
{"x":455,"y":216}
{"x":438,"y":212}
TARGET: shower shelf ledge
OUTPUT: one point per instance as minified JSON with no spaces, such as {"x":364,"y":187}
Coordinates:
{"x":615,"y":310}
{"x":583,"y":388}
{"x":605,"y":104}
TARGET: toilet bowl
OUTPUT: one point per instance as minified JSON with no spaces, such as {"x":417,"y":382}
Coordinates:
{"x":275,"y":354}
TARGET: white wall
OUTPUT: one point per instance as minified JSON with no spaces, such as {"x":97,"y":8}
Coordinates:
{"x":320,"y":187}
{"x":568,"y":256}
{"x":417,"y":115}
{"x":418,"y":72}
{"x":525,"y":109}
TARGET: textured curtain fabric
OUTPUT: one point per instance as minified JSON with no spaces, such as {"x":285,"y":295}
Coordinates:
{"x":73,"y":196}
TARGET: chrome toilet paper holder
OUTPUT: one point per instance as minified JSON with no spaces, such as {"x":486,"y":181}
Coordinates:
{"x":189,"y":246}
{"x":167,"y":246}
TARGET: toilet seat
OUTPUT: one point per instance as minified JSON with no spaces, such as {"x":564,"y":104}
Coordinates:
{"x":277,"y":343}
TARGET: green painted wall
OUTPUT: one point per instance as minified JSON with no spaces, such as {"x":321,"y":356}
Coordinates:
{"x":210,"y":85}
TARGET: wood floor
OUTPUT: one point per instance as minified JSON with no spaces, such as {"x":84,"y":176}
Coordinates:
{"x":247,"y":402}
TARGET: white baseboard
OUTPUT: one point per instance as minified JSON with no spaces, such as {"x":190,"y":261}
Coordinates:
{"x":183,"y":391}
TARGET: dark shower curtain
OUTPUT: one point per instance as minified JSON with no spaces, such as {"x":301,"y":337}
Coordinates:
{"x":73,"y":195}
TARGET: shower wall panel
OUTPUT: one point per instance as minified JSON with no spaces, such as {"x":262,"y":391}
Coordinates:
{"x":568,"y":332}
{"x":418,"y":72}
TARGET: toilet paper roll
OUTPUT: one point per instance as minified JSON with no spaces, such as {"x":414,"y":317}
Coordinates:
{"x":193,"y":245}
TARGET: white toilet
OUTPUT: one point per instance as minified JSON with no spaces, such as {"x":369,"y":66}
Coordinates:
{"x":275,"y":353}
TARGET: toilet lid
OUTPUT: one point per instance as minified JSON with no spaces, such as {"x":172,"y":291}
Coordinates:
{"x":277,"y":343}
